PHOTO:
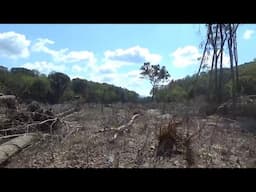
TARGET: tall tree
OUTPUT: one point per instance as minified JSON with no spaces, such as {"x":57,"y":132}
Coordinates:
{"x":155,"y":74}
{"x":59,"y":82}
{"x":217,"y":35}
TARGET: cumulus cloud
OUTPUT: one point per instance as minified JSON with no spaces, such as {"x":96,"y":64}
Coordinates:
{"x":14,"y":45}
{"x":45,"y":67}
{"x":135,"y":54}
{"x":190,"y":55}
{"x":134,"y":73}
{"x":111,"y":66}
{"x":63,"y":55}
{"x":248,"y":34}
{"x":105,"y":70}
{"x":130,"y":80}
{"x":115,"y":62}
{"x":185,"y":56}
{"x":77,"y":68}
{"x":225,"y":60}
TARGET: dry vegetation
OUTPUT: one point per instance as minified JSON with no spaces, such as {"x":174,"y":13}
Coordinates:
{"x":92,"y":138}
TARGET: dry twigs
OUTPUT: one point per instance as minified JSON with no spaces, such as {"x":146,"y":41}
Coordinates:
{"x":121,"y":128}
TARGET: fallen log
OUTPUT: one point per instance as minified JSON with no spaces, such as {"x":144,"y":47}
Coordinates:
{"x":122,"y":127}
{"x":119,"y":130}
{"x":13,"y":146}
{"x":65,"y":113}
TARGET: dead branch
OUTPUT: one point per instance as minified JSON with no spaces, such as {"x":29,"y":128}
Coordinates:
{"x":195,"y":133}
{"x":65,"y":113}
{"x":38,"y":125}
{"x":10,"y":136}
{"x":122,"y":127}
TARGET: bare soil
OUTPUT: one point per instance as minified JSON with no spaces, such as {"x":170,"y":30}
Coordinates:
{"x":221,"y":143}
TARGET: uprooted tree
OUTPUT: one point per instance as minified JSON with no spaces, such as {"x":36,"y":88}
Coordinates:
{"x":155,"y":74}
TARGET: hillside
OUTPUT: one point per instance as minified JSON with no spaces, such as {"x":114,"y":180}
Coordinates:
{"x":186,"y":88}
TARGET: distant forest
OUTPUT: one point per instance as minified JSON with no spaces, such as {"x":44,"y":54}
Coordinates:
{"x":57,"y":87}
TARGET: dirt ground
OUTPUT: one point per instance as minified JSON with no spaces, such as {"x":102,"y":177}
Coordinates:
{"x":221,"y":142}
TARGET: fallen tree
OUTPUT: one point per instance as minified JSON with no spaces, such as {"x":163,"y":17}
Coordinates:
{"x":121,"y":129}
{"x":24,"y":123}
{"x":13,"y":146}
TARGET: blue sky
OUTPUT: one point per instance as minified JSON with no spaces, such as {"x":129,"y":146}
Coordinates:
{"x":112,"y":53}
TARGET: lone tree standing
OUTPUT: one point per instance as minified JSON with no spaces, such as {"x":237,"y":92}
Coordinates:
{"x":155,"y":74}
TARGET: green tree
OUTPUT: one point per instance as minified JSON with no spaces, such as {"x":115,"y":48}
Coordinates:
{"x":39,"y":89}
{"x":58,"y":82}
{"x":155,"y":74}
{"x":80,"y":87}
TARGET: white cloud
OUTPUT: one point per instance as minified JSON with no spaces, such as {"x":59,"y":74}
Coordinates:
{"x":120,"y":58}
{"x":185,"y":56}
{"x":189,"y":55}
{"x":73,"y":76}
{"x":225,"y":60}
{"x":111,"y":66}
{"x":114,"y":60}
{"x":45,"y":67}
{"x":130,"y":80}
{"x":248,"y":34}
{"x":135,"y":54}
{"x":77,"y":68}
{"x":134,"y":73}
{"x":14,"y":45}
{"x":109,"y":70}
{"x":64,"y":55}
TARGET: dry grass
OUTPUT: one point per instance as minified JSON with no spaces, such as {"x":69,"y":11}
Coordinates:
{"x":154,"y":140}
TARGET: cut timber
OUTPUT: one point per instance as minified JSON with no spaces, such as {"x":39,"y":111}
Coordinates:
{"x":13,"y":146}
{"x":65,"y":113}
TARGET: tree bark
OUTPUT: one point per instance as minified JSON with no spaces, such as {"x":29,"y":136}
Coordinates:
{"x":236,"y":60}
{"x":221,"y":69}
{"x":13,"y":146}
{"x":230,"y":45}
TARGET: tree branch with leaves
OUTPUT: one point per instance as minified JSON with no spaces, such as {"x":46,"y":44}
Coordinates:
{"x":155,"y":74}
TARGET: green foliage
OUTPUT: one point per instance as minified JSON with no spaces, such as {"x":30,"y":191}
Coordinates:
{"x":39,"y":89}
{"x":155,"y":74}
{"x":68,"y":94}
{"x":187,"y":88}
{"x":57,"y":87}
{"x":79,"y":86}
{"x":58,"y":82}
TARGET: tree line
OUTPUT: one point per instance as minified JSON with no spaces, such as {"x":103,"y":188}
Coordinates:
{"x":57,"y":87}
{"x":185,"y":88}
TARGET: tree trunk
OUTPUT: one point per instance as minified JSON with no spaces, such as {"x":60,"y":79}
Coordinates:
{"x":13,"y":146}
{"x":236,"y":63}
{"x":230,"y":45}
{"x":210,"y":92}
{"x":153,"y":92}
{"x":216,"y":91}
{"x":221,"y":69}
